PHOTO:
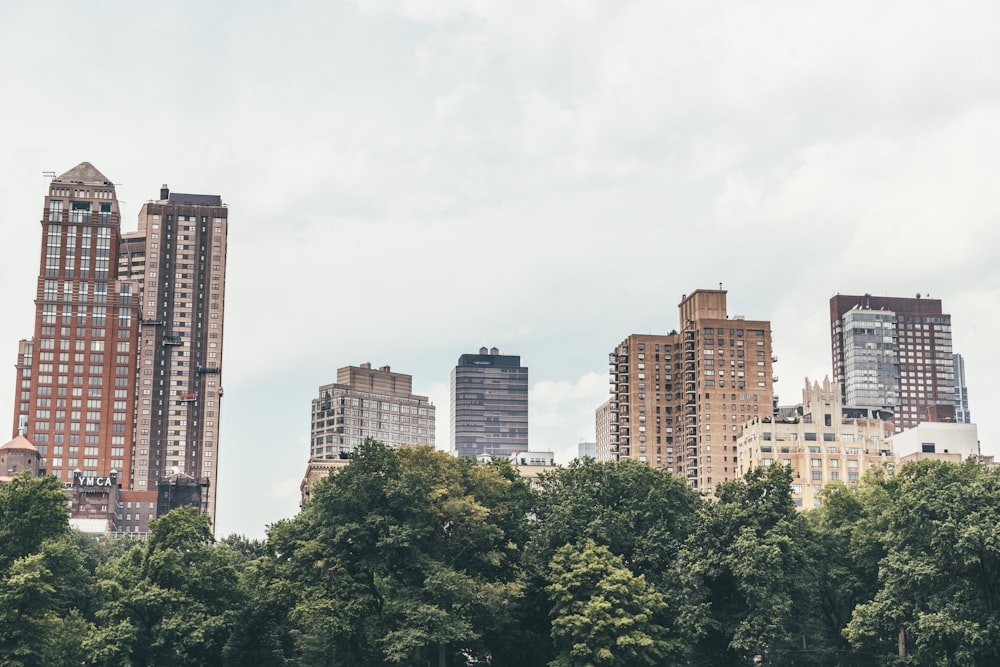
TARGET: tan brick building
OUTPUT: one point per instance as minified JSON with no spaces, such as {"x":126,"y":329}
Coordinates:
{"x":679,"y":401}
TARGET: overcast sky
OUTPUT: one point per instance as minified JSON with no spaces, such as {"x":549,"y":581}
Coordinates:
{"x":408,"y":181}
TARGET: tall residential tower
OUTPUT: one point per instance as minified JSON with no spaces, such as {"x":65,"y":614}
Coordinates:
{"x":178,"y":257}
{"x":679,"y":401}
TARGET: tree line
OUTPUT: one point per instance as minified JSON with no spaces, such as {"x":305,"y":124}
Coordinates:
{"x":413,"y":557}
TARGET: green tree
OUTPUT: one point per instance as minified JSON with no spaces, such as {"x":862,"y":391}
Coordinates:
{"x":602,"y":614}
{"x":32,"y":510}
{"x":939,"y":593}
{"x":642,"y":514}
{"x":844,"y":553}
{"x":170,"y":600}
{"x":403,"y":557}
{"x":38,"y":623}
{"x":744,"y":567}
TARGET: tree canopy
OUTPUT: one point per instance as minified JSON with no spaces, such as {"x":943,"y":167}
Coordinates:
{"x":413,"y":557}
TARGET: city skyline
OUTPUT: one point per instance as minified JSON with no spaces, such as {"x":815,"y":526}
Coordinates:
{"x":412,"y":180}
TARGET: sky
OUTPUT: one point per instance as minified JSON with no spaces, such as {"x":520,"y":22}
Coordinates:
{"x":409,"y":181}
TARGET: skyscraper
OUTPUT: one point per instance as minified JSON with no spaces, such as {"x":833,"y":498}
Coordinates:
{"x":76,"y":375}
{"x":680,"y":400}
{"x":178,"y":258}
{"x":489,"y":404}
{"x":893,"y":353}
{"x":121,"y":377}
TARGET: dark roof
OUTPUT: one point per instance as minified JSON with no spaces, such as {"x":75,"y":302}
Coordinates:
{"x":502,"y":360}
{"x":194,"y":200}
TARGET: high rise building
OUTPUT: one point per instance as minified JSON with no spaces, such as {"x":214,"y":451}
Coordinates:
{"x":121,"y":378}
{"x":679,"y":401}
{"x":366,"y":402}
{"x":76,"y":374}
{"x":489,"y":404}
{"x":177,"y":256}
{"x":892,"y":353}
{"x":962,"y":414}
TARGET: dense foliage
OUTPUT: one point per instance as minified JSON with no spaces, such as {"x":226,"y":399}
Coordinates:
{"x":412,"y":557}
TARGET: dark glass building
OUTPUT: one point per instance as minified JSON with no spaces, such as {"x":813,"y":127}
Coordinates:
{"x":489,"y":404}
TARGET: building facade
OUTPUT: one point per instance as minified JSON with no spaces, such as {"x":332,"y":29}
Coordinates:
{"x":962,"y":413}
{"x":177,"y":257}
{"x":937,"y":440}
{"x":366,"y":402}
{"x":489,"y":404}
{"x":679,"y":401}
{"x":605,"y":445}
{"x":121,"y":378}
{"x":823,"y":443}
{"x":892,"y":353}
{"x":76,"y":381}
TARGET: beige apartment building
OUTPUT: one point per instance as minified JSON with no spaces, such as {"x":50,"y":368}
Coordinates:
{"x":680,"y":400}
{"x":825,"y":443}
{"x":603,"y":425}
{"x":366,"y":402}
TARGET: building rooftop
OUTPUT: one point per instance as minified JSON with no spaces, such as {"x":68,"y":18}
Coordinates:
{"x":183,"y":199}
{"x":20,"y":442}
{"x":83,"y":173}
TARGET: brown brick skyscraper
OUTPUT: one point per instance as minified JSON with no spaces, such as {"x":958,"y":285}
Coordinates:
{"x":76,"y":375}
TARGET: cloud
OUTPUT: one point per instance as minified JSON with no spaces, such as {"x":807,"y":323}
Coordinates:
{"x":410,"y":180}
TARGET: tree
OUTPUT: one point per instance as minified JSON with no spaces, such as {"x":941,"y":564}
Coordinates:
{"x":602,"y":614}
{"x":743,"y":568}
{"x":938,"y":601}
{"x":32,"y":510}
{"x":170,"y":600}
{"x":642,"y":514}
{"x":38,"y":623}
{"x":845,"y":548}
{"x":404,"y":557}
